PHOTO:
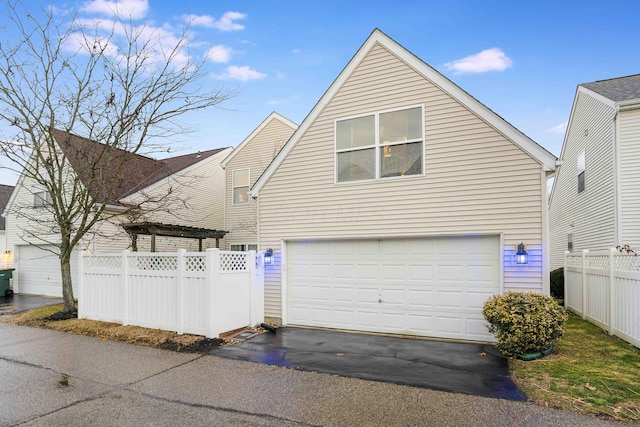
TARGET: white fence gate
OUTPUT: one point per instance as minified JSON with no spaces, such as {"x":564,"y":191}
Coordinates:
{"x":202,"y":293}
{"x":604,"y":288}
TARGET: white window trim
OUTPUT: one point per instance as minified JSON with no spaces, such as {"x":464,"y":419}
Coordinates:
{"x":581,"y":166}
{"x":46,"y":200}
{"x":245,"y":245}
{"x":233,"y":185}
{"x":376,"y":146}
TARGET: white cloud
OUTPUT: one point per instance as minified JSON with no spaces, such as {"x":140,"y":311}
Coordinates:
{"x":493,"y":59}
{"x":561,"y":128}
{"x":225,"y":23}
{"x":161,"y":43}
{"x":219,"y":53}
{"x":283,"y":101}
{"x":241,"y":73}
{"x":134,"y":9}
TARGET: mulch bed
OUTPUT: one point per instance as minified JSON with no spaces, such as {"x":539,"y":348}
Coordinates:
{"x":203,"y":346}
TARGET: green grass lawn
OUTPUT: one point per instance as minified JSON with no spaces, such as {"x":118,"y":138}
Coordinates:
{"x":589,"y":371}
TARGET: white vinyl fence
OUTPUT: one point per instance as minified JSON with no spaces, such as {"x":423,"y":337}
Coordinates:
{"x":604,"y":288}
{"x":202,"y":293}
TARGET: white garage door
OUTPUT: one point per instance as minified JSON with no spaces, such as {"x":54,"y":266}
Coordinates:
{"x":431,"y":287}
{"x":38,"y":272}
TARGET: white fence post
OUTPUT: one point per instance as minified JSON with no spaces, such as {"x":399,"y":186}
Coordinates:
{"x":584,"y":283}
{"x":180,"y":300}
{"x":125,"y":287}
{"x":612,"y":279}
{"x":256,"y":291}
{"x":81,"y":285}
{"x":566,"y":275}
{"x":213,"y":260}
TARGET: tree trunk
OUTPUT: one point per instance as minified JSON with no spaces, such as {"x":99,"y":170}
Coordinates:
{"x":67,"y":288}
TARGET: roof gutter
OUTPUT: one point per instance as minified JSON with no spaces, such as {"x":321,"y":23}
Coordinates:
{"x":629,"y":104}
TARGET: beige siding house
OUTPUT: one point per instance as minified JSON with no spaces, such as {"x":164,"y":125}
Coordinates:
{"x":595,"y":200}
{"x":398,"y":204}
{"x":196,"y":181}
{"x":243,"y":167}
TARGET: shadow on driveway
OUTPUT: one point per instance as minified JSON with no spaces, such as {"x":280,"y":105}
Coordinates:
{"x":19,"y":303}
{"x":469,"y":368}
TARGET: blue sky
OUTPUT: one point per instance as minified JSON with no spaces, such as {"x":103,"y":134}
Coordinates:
{"x":523,"y":60}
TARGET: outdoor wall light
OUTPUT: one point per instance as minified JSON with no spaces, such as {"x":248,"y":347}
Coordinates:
{"x":7,"y":253}
{"x":522,"y":256}
{"x":268,"y":256}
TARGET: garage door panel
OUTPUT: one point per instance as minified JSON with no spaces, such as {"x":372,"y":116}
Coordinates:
{"x":420,"y":273}
{"x":449,"y":273}
{"x":420,"y":299}
{"x":476,"y":300}
{"x":431,"y":286}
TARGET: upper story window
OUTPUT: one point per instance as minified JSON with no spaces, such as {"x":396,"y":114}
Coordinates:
{"x":240,"y":184}
{"x":41,"y":197}
{"x":581,"y":168}
{"x":380,"y":145}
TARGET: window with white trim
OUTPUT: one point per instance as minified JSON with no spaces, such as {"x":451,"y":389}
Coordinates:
{"x":41,"y":197}
{"x":380,"y":145}
{"x":581,"y":169}
{"x":240,"y":185}
{"x":244,"y":247}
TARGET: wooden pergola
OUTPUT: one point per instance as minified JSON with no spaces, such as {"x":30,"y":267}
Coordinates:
{"x":154,"y":229}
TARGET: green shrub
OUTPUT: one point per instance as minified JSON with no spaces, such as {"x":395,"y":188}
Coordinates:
{"x":524,"y":322}
{"x":557,"y":283}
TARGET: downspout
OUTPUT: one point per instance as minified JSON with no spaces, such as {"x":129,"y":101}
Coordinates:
{"x":617,"y":216}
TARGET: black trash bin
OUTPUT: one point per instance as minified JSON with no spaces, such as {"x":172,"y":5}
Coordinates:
{"x":5,"y":282}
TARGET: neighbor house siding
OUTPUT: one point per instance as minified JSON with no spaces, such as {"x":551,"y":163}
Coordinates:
{"x":198,"y":201}
{"x":629,"y":146}
{"x":590,"y":215}
{"x":255,"y":155}
{"x":476,"y":180}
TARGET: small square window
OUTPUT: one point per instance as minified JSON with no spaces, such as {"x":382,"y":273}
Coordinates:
{"x":570,"y":242}
{"x":41,"y":197}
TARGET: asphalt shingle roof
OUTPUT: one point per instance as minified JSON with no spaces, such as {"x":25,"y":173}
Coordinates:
{"x":100,"y":172}
{"x":618,"y":89}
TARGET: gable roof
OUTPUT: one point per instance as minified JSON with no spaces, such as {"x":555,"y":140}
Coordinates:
{"x":5,"y":195}
{"x":138,"y":172}
{"x":271,"y":117}
{"x":535,"y":150}
{"x":618,"y":89}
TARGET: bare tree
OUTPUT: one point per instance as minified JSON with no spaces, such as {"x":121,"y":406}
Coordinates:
{"x":114,"y":82}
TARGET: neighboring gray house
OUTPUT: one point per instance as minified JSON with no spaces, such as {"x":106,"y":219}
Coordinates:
{"x":595,"y":200}
{"x":398,"y":204}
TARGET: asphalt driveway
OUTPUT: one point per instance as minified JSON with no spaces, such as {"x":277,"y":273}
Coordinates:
{"x":469,"y":368}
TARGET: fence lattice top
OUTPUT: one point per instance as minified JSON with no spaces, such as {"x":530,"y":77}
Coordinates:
{"x":110,"y":262}
{"x":628,"y":263}
{"x":233,"y":261}
{"x":600,"y":261}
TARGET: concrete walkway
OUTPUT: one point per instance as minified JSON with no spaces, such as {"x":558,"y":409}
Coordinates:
{"x":50,"y":378}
